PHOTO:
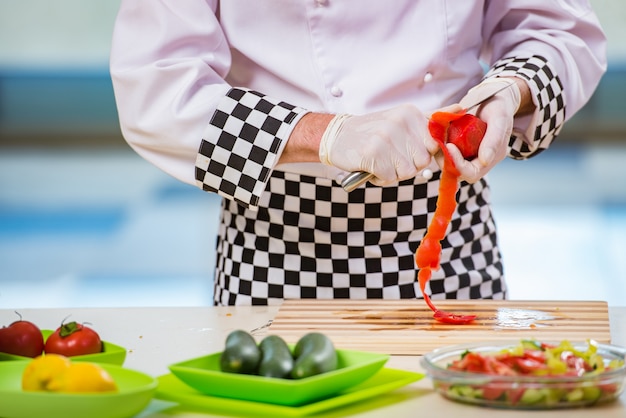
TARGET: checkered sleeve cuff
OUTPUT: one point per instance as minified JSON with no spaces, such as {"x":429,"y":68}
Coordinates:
{"x":547,"y":92}
{"x":242,"y":143}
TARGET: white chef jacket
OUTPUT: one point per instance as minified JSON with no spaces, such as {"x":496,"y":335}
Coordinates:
{"x":209,"y":91}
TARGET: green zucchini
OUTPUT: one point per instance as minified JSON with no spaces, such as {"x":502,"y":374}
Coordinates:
{"x":241,"y":353}
{"x":276,"y":357}
{"x":315,"y":354}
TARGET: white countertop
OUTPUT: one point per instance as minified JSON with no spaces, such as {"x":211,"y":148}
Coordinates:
{"x":157,"y":337}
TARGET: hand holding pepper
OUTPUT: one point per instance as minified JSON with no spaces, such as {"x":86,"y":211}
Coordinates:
{"x":498,"y":113}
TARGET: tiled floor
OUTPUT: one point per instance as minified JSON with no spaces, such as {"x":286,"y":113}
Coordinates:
{"x":105,"y":228}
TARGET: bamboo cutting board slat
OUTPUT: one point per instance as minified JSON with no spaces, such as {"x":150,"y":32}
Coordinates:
{"x":407,"y":326}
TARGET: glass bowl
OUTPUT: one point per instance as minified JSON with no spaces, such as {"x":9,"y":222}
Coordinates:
{"x":524,"y":391}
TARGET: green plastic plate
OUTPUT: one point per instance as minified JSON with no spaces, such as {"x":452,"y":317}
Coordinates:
{"x":385,"y":380}
{"x":204,"y":375}
{"x":111,"y":353}
{"x":136,"y":389}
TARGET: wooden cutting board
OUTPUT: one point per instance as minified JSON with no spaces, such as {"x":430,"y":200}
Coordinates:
{"x":407,"y":326}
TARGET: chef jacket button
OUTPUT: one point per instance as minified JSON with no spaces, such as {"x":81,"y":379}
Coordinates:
{"x":336,"y":91}
{"x":428,"y":77}
{"x":321,"y":3}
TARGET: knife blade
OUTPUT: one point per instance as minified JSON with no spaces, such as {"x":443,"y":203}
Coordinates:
{"x":357,"y":178}
{"x":488,"y":95}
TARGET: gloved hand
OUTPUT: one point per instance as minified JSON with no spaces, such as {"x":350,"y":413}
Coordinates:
{"x":388,"y":144}
{"x":498,"y":112}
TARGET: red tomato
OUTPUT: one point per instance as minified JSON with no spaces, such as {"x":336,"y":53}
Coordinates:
{"x":21,"y":338}
{"x":471,"y":362}
{"x":609,"y":387}
{"x":514,"y":395}
{"x":492,"y":392}
{"x":537,"y":355}
{"x":73,"y":339}
{"x":494,"y":366}
{"x":575,"y":363}
{"x":529,"y":365}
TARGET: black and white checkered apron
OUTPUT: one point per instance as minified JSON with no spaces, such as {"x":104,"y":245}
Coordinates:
{"x":311,"y":239}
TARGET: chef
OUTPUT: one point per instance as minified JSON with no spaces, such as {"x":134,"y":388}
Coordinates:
{"x":271,"y":103}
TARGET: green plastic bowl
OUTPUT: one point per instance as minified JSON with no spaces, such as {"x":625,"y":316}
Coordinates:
{"x":136,"y":389}
{"x":204,"y":375}
{"x":111,"y":353}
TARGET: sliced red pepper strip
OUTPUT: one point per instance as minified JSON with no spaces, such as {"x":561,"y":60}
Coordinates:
{"x":445,"y":118}
{"x":428,"y":254}
{"x":439,"y":134}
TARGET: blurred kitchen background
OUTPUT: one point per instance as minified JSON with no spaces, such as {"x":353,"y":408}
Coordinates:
{"x":86,"y":222}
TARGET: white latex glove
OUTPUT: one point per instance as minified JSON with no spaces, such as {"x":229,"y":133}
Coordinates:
{"x":498,"y":112}
{"x":388,"y":144}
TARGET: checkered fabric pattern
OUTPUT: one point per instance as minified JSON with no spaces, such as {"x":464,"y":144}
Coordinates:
{"x":311,"y":239}
{"x":548,"y":91}
{"x":241,"y":144}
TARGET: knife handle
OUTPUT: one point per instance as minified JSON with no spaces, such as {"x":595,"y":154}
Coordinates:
{"x":357,"y":178}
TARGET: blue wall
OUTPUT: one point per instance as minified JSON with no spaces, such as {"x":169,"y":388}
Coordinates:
{"x":40,"y":104}
{"x":53,"y":106}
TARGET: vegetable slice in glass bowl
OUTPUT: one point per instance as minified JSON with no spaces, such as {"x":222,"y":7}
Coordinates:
{"x":528,"y":374}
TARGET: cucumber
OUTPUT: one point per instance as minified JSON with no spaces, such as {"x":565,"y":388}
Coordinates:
{"x":276,"y":358}
{"x":592,"y":393}
{"x":532,"y":396}
{"x":575,"y":395}
{"x":241,"y":353}
{"x":315,"y":354}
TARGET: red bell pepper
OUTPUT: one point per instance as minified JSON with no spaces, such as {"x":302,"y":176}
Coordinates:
{"x":444,"y":127}
{"x":466,"y":133}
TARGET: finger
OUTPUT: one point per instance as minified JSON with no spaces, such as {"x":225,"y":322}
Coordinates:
{"x":422,"y":157}
{"x":469,"y":171}
{"x":381,"y":183}
{"x":431,"y":145}
{"x":493,"y":145}
{"x":439,"y":159}
{"x":406,"y":170}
